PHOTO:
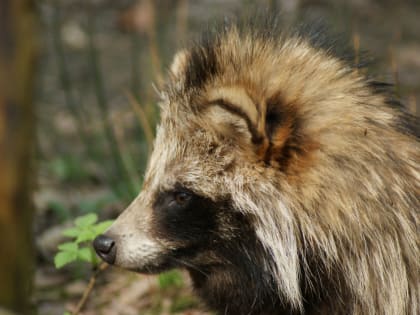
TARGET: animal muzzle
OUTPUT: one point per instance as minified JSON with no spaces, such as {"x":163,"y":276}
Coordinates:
{"x":106,"y":248}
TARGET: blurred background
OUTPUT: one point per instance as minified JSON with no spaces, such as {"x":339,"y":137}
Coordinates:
{"x":77,"y":118}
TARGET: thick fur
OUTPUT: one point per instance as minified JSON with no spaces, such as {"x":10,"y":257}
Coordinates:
{"x":304,"y":176}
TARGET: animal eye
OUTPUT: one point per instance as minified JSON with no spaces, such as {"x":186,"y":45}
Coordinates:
{"x":182,"y":197}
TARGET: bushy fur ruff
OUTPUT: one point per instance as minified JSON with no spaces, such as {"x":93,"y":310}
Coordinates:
{"x":308,"y":171}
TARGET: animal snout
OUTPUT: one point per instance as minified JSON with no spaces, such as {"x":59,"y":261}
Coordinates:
{"x":105,"y":247}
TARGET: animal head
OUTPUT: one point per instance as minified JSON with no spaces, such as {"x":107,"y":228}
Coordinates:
{"x":252,"y":126}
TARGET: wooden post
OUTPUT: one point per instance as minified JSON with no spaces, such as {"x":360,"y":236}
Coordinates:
{"x":17,"y":56}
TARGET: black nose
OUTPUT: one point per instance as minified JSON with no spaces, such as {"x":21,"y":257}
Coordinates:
{"x":105,"y":248}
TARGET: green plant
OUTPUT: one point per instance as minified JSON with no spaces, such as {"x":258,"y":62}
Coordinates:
{"x":85,"y":230}
{"x":60,"y":210}
{"x":170,"y":279}
{"x":68,"y":169}
{"x":183,"y":303}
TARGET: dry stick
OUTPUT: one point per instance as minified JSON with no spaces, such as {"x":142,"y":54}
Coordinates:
{"x":127,"y":158}
{"x":102,"y":102}
{"x":181,"y":21}
{"x":356,"y":46}
{"x":394,"y":67}
{"x":412,"y":104}
{"x":89,"y":287}
{"x":154,"y":52}
{"x":142,"y":117}
{"x":66,"y":84}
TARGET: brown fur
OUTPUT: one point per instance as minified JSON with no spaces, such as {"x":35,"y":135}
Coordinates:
{"x":315,"y":160}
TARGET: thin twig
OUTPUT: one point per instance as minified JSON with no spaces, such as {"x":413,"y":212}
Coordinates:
{"x":66,"y":84}
{"x":101,"y":98}
{"x":154,"y":50}
{"x":412,"y":104}
{"x":395,"y":72}
{"x":181,"y":21}
{"x":89,"y":288}
{"x":356,"y":46}
{"x":143,"y":119}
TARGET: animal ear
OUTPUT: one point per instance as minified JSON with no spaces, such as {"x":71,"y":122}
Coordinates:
{"x":179,"y":63}
{"x":281,"y":126}
{"x":246,"y":114}
{"x":268,"y":124}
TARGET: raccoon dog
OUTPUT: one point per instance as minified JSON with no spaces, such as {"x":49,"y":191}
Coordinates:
{"x":282,"y":178}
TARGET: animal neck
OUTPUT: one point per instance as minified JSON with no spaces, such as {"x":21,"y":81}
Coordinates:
{"x":232,"y":291}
